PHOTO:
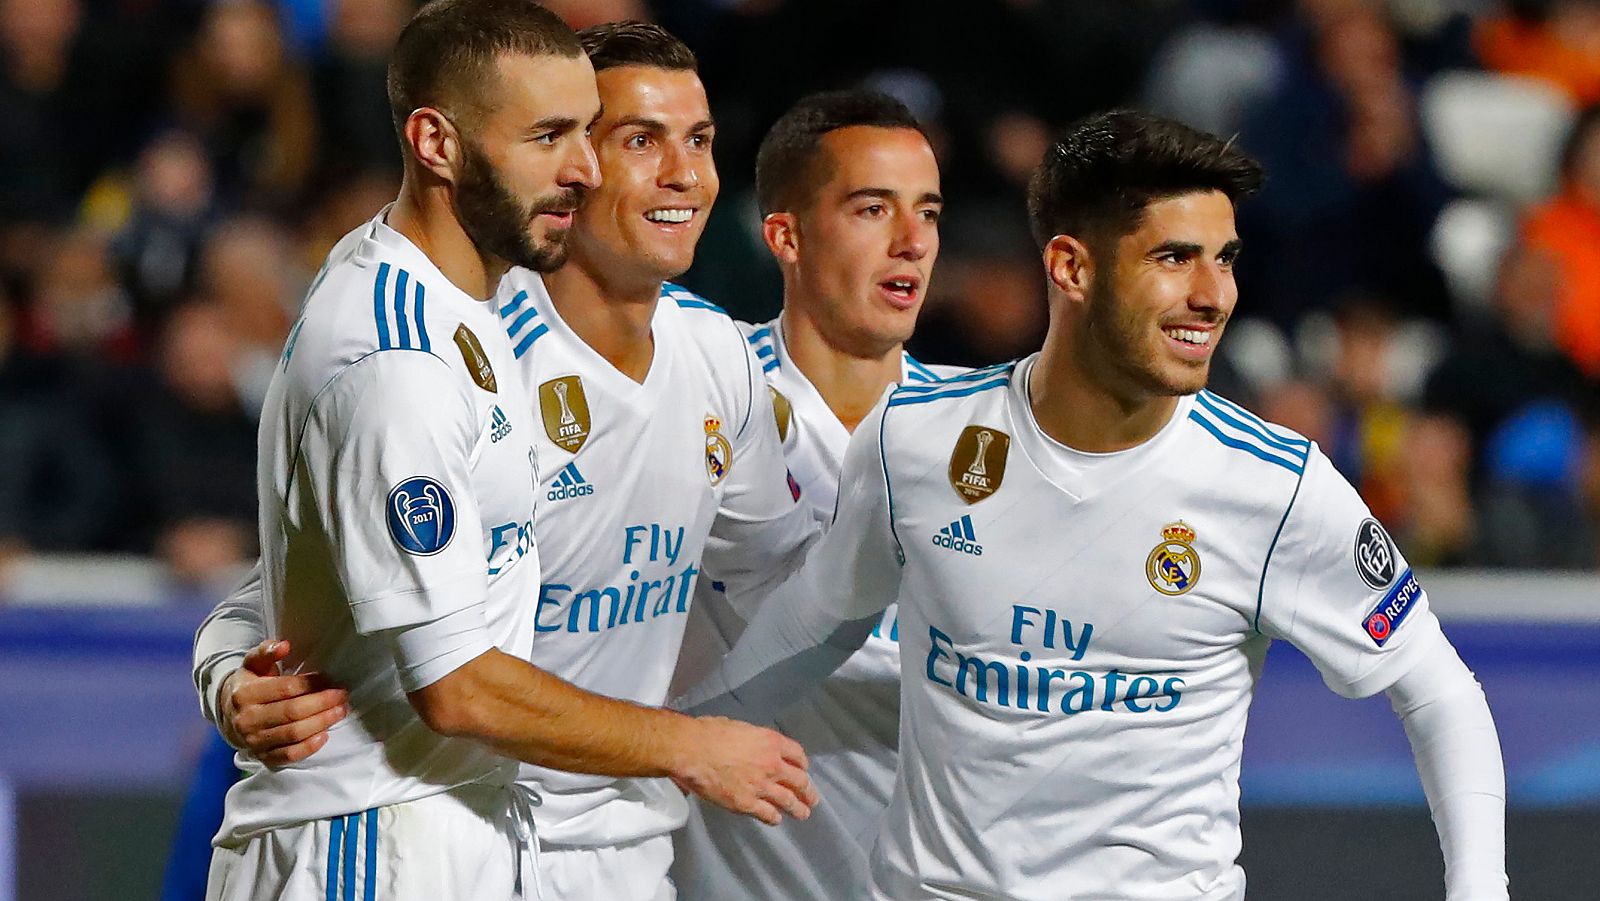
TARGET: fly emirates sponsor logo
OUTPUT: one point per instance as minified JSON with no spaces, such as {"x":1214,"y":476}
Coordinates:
{"x":647,"y":550}
{"x":1023,"y":684}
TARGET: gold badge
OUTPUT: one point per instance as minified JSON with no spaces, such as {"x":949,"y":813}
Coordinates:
{"x":783,"y":411}
{"x":978,"y":463}
{"x":565,"y":411}
{"x":477,"y":361}
{"x":1174,"y":566}
{"x":719,"y":453}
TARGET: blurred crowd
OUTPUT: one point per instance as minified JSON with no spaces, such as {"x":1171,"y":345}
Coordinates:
{"x":1420,"y":291}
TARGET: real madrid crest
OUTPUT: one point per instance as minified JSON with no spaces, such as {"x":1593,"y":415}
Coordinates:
{"x":978,"y":463}
{"x":719,"y":453}
{"x":1173,"y":567}
{"x":565,"y":411}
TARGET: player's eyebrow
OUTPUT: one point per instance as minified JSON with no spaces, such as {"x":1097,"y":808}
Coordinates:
{"x":553,"y":123}
{"x":1181,"y":248}
{"x":891,"y":194}
{"x":1232,"y":247}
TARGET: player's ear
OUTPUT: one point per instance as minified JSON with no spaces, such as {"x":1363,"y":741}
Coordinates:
{"x":1070,"y":266}
{"x":781,"y":232}
{"x":434,"y":142}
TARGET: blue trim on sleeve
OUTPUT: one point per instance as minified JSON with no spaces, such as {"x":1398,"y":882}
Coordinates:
{"x":899,"y":399}
{"x":352,"y":831}
{"x":759,"y":334}
{"x":1261,"y":590}
{"x":422,"y":325}
{"x":917,"y":369}
{"x":1247,"y":447}
{"x":404,"y":330}
{"x":1298,"y":450}
{"x":508,"y":309}
{"x":528,"y":339}
{"x":1262,"y":424}
{"x":517,"y":324}
{"x":379,"y":292}
{"x":976,"y":375}
{"x":769,"y":366}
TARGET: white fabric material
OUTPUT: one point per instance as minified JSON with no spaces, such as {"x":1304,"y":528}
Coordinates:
{"x":653,"y":517}
{"x":1063,"y":721}
{"x":630,"y":871}
{"x":456,"y":845}
{"x":1457,"y":749}
{"x":384,"y":482}
{"x":626,"y":522}
{"x":848,"y":727}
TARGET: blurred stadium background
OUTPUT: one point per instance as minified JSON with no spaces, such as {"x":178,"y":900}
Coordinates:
{"x":1421,"y":295}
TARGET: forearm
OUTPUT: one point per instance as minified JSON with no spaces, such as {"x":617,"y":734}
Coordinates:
{"x":1457,"y":751}
{"x":528,"y":714}
{"x":228,"y":633}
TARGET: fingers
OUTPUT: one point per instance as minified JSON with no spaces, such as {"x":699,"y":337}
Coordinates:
{"x":785,"y":799}
{"x":264,"y":658}
{"x":765,"y":812}
{"x":270,"y":689}
{"x":798,"y":782}
{"x":265,"y":741}
{"x":282,"y":757}
{"x":793,"y":753}
{"x":259,"y":717}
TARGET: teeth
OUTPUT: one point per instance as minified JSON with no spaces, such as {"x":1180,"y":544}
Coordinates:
{"x":902,"y":284}
{"x":1190,"y":336}
{"x":669,"y":215}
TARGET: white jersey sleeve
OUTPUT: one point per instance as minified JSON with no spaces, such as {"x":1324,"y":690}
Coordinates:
{"x":761,"y":530}
{"x":227,"y":634}
{"x":818,"y":617}
{"x":1336,"y":587}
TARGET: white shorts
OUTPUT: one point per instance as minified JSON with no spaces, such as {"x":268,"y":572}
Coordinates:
{"x":632,"y":871}
{"x":462,"y":844}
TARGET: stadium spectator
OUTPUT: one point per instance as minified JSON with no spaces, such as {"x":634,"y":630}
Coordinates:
{"x":55,"y":488}
{"x":1554,"y":40}
{"x":193,"y":452}
{"x":173,"y":206}
{"x":250,"y":102}
{"x":1354,"y":192}
{"x":79,"y":311}
{"x":249,"y":270}
{"x":1568,"y":228}
{"x":352,"y":117}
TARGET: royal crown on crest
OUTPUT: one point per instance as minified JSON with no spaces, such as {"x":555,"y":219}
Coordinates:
{"x":713,"y":424}
{"x":1178,"y":531}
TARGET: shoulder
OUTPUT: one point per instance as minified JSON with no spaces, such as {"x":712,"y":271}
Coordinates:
{"x":918,"y":372}
{"x":973,"y":388}
{"x":518,"y":303}
{"x":763,"y":343}
{"x":1253,"y":451}
{"x":706,"y":327}
{"x":684,"y":299}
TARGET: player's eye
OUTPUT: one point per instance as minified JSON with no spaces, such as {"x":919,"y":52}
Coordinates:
{"x":874,"y":210}
{"x":637,"y":142}
{"x":1228,"y":258}
{"x":547,"y":138}
{"x":931,"y":215}
{"x":700,"y":141}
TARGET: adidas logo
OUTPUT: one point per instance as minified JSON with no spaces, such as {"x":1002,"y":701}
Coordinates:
{"x":500,"y":423}
{"x":569,"y":484}
{"x":958,"y":536}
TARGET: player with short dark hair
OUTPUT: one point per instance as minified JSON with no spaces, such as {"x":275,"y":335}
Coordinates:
{"x":792,"y":161}
{"x":397,"y":480}
{"x":1090,"y":554}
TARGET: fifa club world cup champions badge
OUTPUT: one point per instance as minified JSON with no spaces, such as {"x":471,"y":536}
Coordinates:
{"x":565,"y":411}
{"x":978,"y":463}
{"x":719,"y":453}
{"x":1173,"y":567}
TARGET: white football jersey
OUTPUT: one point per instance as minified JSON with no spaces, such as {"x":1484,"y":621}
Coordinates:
{"x":848,"y":727}
{"x":396,"y":486}
{"x":642,"y":485}
{"x":1080,"y":633}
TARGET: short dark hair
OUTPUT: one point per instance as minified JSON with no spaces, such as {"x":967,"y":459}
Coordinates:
{"x":789,"y":164}
{"x":1097,"y":179}
{"x":612,"y":44}
{"x":445,"y":54}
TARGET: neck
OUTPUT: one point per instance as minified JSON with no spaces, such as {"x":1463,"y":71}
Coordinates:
{"x":1079,"y":407}
{"x":610,"y":316}
{"x":424,"y":215}
{"x":849,"y":385}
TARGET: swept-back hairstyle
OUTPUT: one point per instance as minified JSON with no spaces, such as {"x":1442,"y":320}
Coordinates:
{"x":613,"y":44}
{"x":445,"y":56}
{"x":1096,"y":180}
{"x":790,"y":162}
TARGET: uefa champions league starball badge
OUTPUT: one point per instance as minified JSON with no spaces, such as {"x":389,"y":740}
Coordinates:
{"x":1173,"y":567}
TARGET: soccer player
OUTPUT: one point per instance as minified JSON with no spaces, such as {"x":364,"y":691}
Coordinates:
{"x":1091,"y":554}
{"x":849,"y":191}
{"x":657,"y":455}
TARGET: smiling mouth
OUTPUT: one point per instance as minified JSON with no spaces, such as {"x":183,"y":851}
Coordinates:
{"x":903,"y":288}
{"x":1190,"y":336}
{"x":670,"y":215}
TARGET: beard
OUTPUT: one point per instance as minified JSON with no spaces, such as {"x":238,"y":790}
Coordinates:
{"x":497,"y":221}
{"x":1119,"y":339}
